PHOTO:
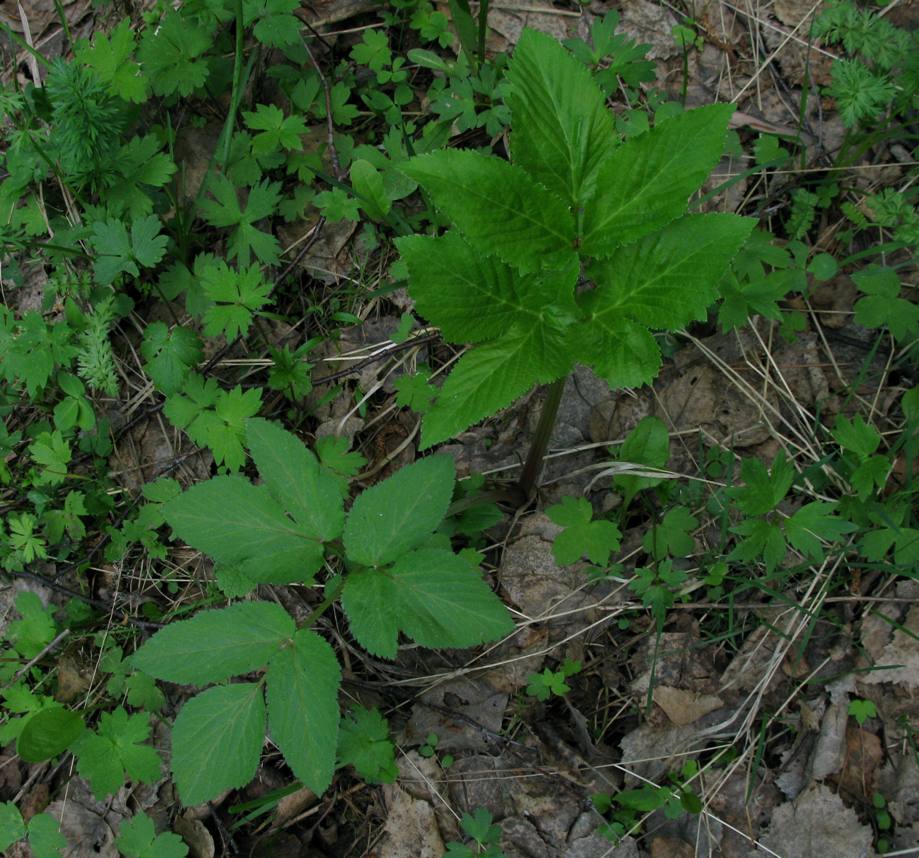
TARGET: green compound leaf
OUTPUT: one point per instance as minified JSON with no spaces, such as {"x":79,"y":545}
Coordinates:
{"x":224,"y":211}
{"x":171,"y":55}
{"x":562,"y":131}
{"x":110,"y":60}
{"x":498,"y":207}
{"x":216,"y":741}
{"x":815,"y":522}
{"x":399,"y":513}
{"x":303,"y":681}
{"x":647,"y":181}
{"x":215,"y":645}
{"x":582,"y":535}
{"x":292,"y":473}
{"x":668,"y":279}
{"x":48,"y":733}
{"x":241,"y":525}
{"x":104,"y":757}
{"x":451,"y":283}
{"x":137,"y":838}
{"x":237,"y":294}
{"x":437,"y":598}
{"x":170,"y":355}
{"x":363,"y":742}
{"x":492,"y":376}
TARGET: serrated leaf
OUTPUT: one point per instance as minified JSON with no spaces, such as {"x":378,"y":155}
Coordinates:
{"x":12,"y":827}
{"x":216,"y":741}
{"x":491,"y":376}
{"x":364,"y":742}
{"x":110,"y":59}
{"x":367,"y":182}
{"x":225,"y":211}
{"x":45,"y":837}
{"x":137,"y":838}
{"x":622,"y":352}
{"x":399,"y":513}
{"x":647,"y":181}
{"x":562,"y":131}
{"x":668,"y":279}
{"x":856,"y":435}
{"x":763,"y":490}
{"x":498,"y":207}
{"x":237,"y":294}
{"x":215,"y":645}
{"x":48,"y":733}
{"x":812,"y":523}
{"x":303,"y":715}
{"x":116,"y":749}
{"x":582,"y":536}
{"x":435,"y":597}
{"x":171,"y":54}
{"x":241,"y":525}
{"x":294,"y":478}
{"x":170,"y":355}
{"x":451,"y":283}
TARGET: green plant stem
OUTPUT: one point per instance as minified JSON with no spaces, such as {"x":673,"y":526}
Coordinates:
{"x":236,"y":95}
{"x":483,"y":29}
{"x":533,"y":466}
{"x":332,"y":592}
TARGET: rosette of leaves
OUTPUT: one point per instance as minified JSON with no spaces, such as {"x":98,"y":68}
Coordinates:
{"x":398,"y":577}
{"x":575,"y":251}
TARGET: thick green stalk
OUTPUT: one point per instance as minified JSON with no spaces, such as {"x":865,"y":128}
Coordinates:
{"x":533,"y":466}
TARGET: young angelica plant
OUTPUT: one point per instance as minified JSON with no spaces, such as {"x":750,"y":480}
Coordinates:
{"x":574,"y":251}
{"x":397,"y":576}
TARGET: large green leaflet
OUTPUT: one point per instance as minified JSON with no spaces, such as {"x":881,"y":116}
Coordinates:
{"x":215,"y":645}
{"x":492,"y":375}
{"x":572,"y":198}
{"x":432,"y":595}
{"x":562,"y":129}
{"x":647,"y":181}
{"x":295,"y":479}
{"x":669,"y":278}
{"x":453,"y":282}
{"x":303,"y":680}
{"x":498,"y":207}
{"x":396,"y":515}
{"x":246,"y":527}
{"x":241,"y":525}
{"x":217,"y":740}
